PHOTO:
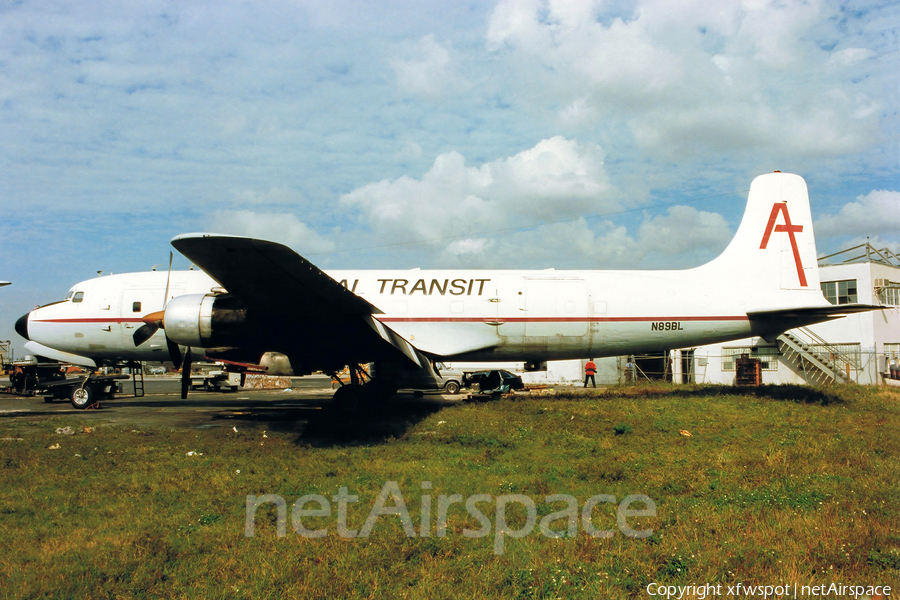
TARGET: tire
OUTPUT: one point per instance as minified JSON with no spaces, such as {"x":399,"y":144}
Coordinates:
{"x":82,"y":397}
{"x":346,"y":400}
{"x":18,"y":382}
{"x":452,"y":387}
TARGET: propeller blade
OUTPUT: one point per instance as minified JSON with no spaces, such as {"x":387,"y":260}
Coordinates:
{"x":174,"y":353}
{"x":168,"y":277}
{"x":186,"y":374}
{"x":145,"y":332}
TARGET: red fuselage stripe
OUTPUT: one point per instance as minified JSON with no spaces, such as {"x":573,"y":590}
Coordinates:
{"x":123,"y":320}
{"x":468,"y":319}
{"x":552,"y":319}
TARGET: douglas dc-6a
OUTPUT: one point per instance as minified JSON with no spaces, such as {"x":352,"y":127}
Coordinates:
{"x":255,"y":299}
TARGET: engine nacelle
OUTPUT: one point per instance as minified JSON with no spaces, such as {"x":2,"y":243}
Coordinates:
{"x":188,"y":319}
{"x":205,"y":320}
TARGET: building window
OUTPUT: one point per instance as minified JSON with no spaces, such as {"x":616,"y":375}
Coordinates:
{"x":840,"y":292}
{"x":890,"y":296}
{"x":892,"y":351}
{"x":768,"y":357}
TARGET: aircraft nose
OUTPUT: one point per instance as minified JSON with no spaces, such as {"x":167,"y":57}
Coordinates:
{"x":22,"y":326}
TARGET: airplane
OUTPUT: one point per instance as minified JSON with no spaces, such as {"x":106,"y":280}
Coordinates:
{"x":258,"y":304}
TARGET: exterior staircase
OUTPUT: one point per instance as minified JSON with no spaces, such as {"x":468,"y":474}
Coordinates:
{"x":819,"y":362}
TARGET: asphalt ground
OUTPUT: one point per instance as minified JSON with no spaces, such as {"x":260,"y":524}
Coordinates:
{"x":308,"y":400}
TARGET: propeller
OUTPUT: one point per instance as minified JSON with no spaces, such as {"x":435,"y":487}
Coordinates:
{"x":150,"y":327}
{"x":154,"y":321}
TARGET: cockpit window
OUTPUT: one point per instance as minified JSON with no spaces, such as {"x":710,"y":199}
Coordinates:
{"x":78,"y":297}
{"x":69,"y":297}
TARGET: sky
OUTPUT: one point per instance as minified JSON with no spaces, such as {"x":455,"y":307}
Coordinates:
{"x":363,"y":134}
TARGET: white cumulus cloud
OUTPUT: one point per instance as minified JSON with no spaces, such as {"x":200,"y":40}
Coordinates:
{"x":285,"y":228}
{"x":556,"y":179}
{"x":875,"y":214}
{"x":429,"y":72}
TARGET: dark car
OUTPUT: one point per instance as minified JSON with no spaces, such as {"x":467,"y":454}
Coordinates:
{"x":489,"y":381}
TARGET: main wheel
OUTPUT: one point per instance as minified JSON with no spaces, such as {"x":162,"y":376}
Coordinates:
{"x":452,"y":387}
{"x":82,"y":397}
{"x":346,"y":399}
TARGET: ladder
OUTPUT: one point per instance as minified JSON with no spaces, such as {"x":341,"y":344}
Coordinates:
{"x":137,"y":378}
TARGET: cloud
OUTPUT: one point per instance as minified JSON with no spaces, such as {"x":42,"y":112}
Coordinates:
{"x":273,"y":197}
{"x":875,"y":214}
{"x":536,"y":209}
{"x":410,"y":151}
{"x":688,"y":78}
{"x":850,"y":56}
{"x":429,"y":72}
{"x":285,"y":228}
{"x":684,"y":230}
{"x":556,"y":179}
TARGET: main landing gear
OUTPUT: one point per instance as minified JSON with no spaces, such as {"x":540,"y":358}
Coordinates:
{"x":362,"y":391}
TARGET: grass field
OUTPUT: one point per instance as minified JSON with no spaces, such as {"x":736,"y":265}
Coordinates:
{"x":772,"y":486}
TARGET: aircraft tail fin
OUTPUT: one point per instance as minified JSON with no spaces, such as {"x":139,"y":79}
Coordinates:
{"x":774,"y":247}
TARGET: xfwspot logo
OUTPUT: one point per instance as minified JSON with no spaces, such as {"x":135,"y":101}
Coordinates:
{"x":787,"y":590}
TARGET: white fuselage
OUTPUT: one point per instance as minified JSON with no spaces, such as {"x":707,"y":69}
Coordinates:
{"x":474,"y":315}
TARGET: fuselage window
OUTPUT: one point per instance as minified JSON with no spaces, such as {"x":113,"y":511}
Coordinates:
{"x":78,"y":297}
{"x":135,"y":307}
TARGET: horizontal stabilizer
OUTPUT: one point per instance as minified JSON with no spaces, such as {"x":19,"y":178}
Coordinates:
{"x":780,"y":320}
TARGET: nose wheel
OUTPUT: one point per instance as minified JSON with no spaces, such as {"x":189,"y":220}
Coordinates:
{"x":82,"y":397}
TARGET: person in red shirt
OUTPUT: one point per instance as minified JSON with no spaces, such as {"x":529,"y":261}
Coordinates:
{"x":590,"y":369}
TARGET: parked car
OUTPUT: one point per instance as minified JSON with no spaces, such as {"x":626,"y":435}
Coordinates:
{"x":451,"y":379}
{"x":448,"y":380}
{"x":489,"y":381}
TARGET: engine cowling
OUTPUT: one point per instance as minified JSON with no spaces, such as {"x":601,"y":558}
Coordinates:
{"x":188,"y":319}
{"x":203,"y":320}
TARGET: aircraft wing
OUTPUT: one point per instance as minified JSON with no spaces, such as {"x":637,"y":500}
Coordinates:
{"x":272,"y":277}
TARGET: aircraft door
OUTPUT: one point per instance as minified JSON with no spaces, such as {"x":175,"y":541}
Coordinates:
{"x":556,"y":308}
{"x":509,"y":308}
